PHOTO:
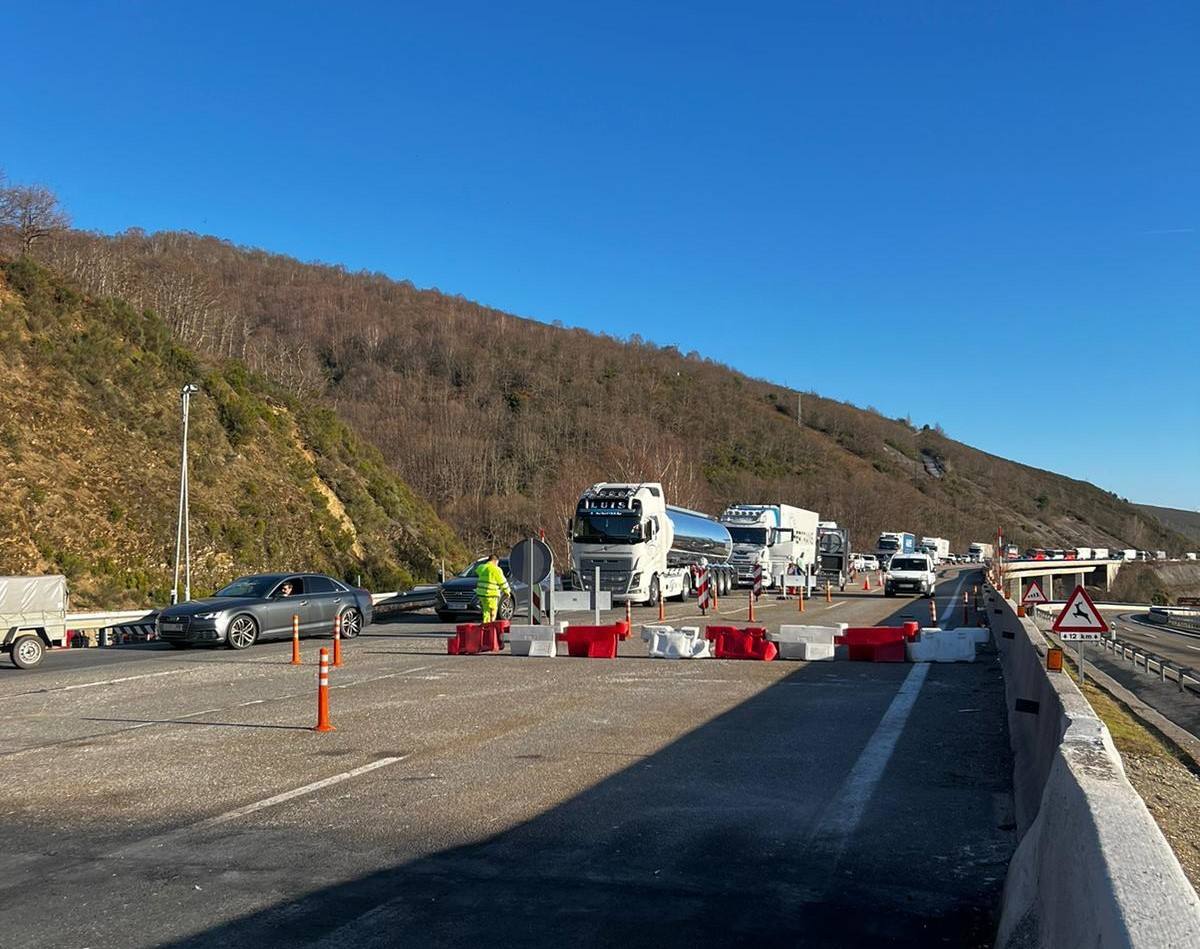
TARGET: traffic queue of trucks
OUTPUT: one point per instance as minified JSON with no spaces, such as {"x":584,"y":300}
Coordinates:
{"x":644,"y":548}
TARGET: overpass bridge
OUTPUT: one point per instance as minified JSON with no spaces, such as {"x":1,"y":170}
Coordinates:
{"x":1018,"y":574}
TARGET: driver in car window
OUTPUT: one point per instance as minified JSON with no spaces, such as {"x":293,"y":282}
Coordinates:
{"x":286,"y":589}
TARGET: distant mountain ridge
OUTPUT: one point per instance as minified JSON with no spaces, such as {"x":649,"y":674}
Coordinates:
{"x":1186,"y":523}
{"x":500,"y":421}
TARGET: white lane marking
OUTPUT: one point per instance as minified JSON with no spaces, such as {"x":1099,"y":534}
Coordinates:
{"x":237,"y":812}
{"x":843,"y":814}
{"x":1190,"y":646}
{"x":949,"y":610}
{"x":92,"y":685}
{"x":833,"y":606}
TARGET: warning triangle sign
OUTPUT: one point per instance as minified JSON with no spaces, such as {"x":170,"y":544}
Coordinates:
{"x":1080,"y":616}
{"x":1034,"y":594}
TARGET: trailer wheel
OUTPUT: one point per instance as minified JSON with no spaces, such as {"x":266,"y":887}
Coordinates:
{"x":27,"y":651}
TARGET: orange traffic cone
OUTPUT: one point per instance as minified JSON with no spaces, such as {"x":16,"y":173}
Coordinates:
{"x":866,"y":583}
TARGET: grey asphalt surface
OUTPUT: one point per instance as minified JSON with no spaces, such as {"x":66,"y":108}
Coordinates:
{"x":178,"y":798}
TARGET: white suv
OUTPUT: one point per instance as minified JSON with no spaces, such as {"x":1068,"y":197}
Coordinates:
{"x":910,"y":573}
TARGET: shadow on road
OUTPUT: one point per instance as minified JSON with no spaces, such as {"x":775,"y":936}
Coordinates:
{"x":716,"y":839}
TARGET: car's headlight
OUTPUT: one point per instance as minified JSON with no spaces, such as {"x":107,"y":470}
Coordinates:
{"x":206,"y":615}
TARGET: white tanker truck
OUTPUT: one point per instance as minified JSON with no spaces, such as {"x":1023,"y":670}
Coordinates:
{"x":644,"y":547}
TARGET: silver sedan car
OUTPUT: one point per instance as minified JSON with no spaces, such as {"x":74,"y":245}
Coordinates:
{"x":261,"y":607}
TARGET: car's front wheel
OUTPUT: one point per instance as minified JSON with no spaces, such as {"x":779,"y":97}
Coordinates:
{"x":352,"y":622}
{"x":243,"y":632}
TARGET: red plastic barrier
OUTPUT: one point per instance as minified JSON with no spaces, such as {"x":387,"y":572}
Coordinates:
{"x":875,"y":643}
{"x":470,"y":639}
{"x":594,"y":642}
{"x":730,"y":642}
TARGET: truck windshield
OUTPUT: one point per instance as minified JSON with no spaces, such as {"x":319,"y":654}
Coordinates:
{"x":607,"y":529}
{"x":749,"y":535}
{"x":887,"y":543}
{"x":909,"y":563}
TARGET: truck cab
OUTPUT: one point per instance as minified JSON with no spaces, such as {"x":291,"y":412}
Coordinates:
{"x":778,"y":538}
{"x":641,"y":547}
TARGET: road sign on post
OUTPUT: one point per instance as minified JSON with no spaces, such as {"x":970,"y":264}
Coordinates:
{"x":1034,"y":595}
{"x":1080,"y":622}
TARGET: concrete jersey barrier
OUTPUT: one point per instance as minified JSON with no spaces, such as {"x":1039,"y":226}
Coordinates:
{"x":1092,"y":867}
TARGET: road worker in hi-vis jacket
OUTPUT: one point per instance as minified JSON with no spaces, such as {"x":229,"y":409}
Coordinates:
{"x":490,"y":583}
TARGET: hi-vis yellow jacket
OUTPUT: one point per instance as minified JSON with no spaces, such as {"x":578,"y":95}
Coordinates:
{"x":490,"y":580}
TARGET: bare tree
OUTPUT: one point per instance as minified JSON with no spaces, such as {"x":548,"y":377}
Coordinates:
{"x":31,"y":212}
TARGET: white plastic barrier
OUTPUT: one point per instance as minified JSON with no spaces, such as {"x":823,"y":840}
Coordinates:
{"x":942,"y":645}
{"x":666,"y":642}
{"x":534,"y":641}
{"x":806,"y":643}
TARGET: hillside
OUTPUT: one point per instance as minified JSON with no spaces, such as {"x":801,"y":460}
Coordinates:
{"x":1186,"y":523}
{"x":501,"y":437}
{"x":89,"y":456}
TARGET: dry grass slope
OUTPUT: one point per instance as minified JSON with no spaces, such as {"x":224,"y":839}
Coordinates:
{"x":89,"y":461}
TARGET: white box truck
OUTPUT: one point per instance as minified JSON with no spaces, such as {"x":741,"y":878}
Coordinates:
{"x":643,"y":547}
{"x":778,"y":537}
{"x":979,"y":552}
{"x":1100,"y":553}
{"x":33,"y":613}
{"x":938,"y":548}
{"x":891,"y":543}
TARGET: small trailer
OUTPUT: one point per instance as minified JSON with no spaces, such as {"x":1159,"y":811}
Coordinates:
{"x":33,"y":617}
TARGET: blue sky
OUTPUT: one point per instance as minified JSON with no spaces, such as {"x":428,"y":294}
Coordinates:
{"x":983,"y":215}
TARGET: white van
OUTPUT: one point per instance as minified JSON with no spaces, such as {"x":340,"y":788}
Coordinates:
{"x":910,"y":573}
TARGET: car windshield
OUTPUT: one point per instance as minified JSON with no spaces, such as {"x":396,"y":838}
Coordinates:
{"x":909,"y":563}
{"x":249,"y":586}
{"x":749,"y":535}
{"x":607,"y":529}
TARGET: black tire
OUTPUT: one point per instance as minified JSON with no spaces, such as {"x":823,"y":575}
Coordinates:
{"x":352,"y":623}
{"x":505,"y":610}
{"x":27,"y":651}
{"x":242,"y":632}
{"x":655,"y":592}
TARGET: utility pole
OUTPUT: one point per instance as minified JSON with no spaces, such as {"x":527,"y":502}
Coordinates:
{"x":799,"y":409}
{"x":183,"y":540}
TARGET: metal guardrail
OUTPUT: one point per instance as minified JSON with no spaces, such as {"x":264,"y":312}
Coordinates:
{"x":1188,"y":620}
{"x":1165,"y":668}
{"x":414,"y":599}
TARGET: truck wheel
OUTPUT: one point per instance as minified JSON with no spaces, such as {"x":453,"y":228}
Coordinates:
{"x":655,"y":592}
{"x":27,"y":651}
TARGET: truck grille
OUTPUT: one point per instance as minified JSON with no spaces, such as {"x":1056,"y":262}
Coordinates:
{"x":614,"y":575}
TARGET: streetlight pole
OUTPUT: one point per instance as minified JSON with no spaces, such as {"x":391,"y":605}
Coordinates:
{"x":183,"y":540}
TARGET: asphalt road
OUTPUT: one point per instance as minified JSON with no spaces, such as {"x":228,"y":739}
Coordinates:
{"x":179,"y":798}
